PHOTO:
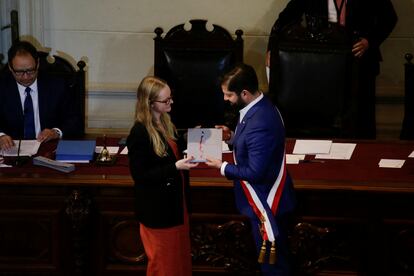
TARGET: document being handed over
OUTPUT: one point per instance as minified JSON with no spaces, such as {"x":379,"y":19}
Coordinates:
{"x":203,"y":143}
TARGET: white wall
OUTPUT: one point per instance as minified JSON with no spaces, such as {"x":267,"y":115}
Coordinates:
{"x":116,"y":40}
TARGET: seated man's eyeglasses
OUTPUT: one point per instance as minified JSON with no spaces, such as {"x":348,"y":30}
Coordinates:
{"x":28,"y":72}
{"x":166,"y":101}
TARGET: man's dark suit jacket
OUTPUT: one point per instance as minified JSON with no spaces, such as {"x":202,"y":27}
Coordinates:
{"x":56,"y":109}
{"x":370,"y":19}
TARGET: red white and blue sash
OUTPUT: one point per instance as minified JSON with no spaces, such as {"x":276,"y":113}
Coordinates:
{"x":266,"y":206}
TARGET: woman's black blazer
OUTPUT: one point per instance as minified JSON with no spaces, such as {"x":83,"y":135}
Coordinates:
{"x":158,"y":184}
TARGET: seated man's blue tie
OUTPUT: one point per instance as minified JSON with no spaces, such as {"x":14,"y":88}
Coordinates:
{"x":29,"y":125}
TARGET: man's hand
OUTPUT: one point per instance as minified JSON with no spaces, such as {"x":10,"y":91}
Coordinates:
{"x":214,"y":163}
{"x":185,"y":163}
{"x":226,"y":132}
{"x":360,"y":47}
{"x":6,"y":142}
{"x":47,"y":134}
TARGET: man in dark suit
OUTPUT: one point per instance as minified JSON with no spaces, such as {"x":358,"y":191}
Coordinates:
{"x":263,"y":188}
{"x":367,"y":22}
{"x":33,"y":105}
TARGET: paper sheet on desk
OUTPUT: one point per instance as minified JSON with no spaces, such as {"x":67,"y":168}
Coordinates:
{"x":294,"y":158}
{"x":27,"y":148}
{"x":391,"y":163}
{"x":411,"y":155}
{"x":124,"y":151}
{"x":225,"y":148}
{"x":2,"y":165}
{"x":112,"y":150}
{"x":340,"y":151}
{"x":312,"y":146}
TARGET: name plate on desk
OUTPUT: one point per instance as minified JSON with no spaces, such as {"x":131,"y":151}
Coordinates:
{"x":53,"y":164}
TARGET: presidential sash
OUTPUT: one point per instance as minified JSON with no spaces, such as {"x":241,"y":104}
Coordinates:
{"x":265,"y":208}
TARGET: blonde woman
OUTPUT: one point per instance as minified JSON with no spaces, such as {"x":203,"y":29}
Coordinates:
{"x":161,"y":182}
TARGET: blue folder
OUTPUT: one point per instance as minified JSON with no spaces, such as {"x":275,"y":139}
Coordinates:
{"x":79,"y":151}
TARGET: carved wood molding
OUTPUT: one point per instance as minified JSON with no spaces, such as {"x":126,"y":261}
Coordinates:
{"x":78,"y":209}
{"x":228,"y":246}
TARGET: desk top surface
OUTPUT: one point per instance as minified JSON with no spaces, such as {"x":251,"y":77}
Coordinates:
{"x":360,"y":173}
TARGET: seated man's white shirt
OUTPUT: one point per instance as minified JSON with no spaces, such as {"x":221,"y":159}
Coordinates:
{"x":35,"y":99}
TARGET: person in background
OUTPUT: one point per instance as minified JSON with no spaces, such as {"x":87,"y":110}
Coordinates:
{"x":161,"y":182}
{"x":263,"y":188}
{"x":33,"y":105}
{"x":367,"y":22}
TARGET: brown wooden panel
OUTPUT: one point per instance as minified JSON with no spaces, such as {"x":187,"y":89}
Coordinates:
{"x":83,"y":224}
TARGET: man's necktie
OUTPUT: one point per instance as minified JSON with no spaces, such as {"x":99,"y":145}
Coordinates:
{"x":340,"y":9}
{"x":29,"y":125}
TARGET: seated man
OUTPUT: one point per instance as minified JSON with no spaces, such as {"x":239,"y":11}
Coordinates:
{"x":33,"y":105}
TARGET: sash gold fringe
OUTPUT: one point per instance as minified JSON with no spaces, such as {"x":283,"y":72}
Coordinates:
{"x":272,"y":257}
{"x":262,"y":253}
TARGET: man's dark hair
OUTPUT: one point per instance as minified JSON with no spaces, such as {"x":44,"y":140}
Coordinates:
{"x":242,"y":77}
{"x":22,"y":47}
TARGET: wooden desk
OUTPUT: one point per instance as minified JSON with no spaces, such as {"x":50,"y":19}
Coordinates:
{"x":352,"y":217}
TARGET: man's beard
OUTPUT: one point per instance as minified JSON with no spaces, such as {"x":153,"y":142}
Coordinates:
{"x":240,"y":104}
{"x":231,"y":112}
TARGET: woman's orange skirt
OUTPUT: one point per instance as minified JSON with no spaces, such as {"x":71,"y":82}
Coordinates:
{"x":168,"y":249}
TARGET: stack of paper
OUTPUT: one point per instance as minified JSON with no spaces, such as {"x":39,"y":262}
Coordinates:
{"x":312,"y":146}
{"x":26,"y":148}
{"x":339,"y":151}
{"x":391,"y":163}
{"x":324,"y":149}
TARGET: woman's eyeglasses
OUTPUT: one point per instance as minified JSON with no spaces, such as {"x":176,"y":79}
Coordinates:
{"x":166,"y":101}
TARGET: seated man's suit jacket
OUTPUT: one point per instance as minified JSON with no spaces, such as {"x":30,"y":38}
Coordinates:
{"x":56,"y":109}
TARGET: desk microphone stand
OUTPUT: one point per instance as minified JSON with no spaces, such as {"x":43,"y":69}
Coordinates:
{"x":20,"y":160}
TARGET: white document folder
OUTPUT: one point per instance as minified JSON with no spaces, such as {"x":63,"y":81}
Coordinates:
{"x":203,"y":143}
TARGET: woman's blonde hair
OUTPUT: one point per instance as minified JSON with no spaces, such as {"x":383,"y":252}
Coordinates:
{"x":147,"y":92}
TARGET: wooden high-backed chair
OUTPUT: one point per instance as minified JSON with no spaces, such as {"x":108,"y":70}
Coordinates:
{"x":74,"y":77}
{"x":313,"y":82}
{"x":192,"y":61}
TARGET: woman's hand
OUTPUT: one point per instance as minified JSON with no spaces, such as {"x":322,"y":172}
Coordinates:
{"x":185,"y":163}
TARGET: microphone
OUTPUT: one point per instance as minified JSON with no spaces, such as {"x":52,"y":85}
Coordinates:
{"x":18,"y":161}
